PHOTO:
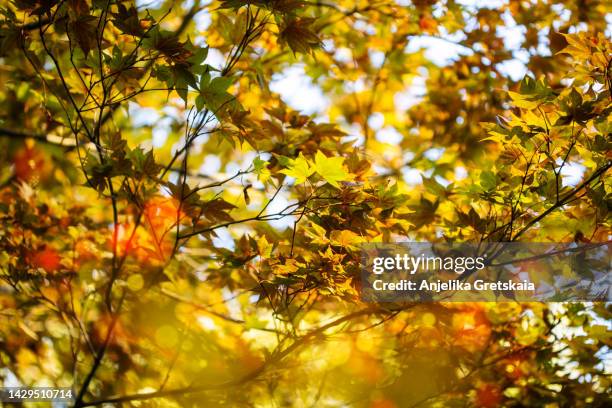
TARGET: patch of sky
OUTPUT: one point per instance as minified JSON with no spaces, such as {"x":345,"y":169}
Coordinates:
{"x":210,"y":165}
{"x":215,"y":58}
{"x":244,"y":163}
{"x":413,"y":176}
{"x":343,"y":54}
{"x":161,"y":130}
{"x":232,"y":303}
{"x":563,"y":13}
{"x":247,"y":159}
{"x":444,"y":182}
{"x":206,"y":323}
{"x":223,"y":239}
{"x":441,"y":51}
{"x":544,"y":42}
{"x":377,"y":58}
{"x":355,"y":134}
{"x":434,"y":154}
{"x":149,"y":4}
{"x":162,"y":127}
{"x":571,"y":173}
{"x":9,"y":378}
{"x":413,"y":94}
{"x":202,"y":19}
{"x":142,"y":116}
{"x":289,"y":181}
{"x":379,"y":169}
{"x":364,"y":27}
{"x":582,"y":26}
{"x":328,"y":44}
{"x":376,"y":121}
{"x":491,"y":4}
{"x":277,"y":205}
{"x":150,"y":117}
{"x":445,"y":49}
{"x":605,"y":356}
{"x":173,"y":177}
{"x":460,"y":173}
{"x":408,"y":156}
{"x":297,"y":90}
{"x":439,"y":9}
{"x":254,"y":298}
{"x":513,"y":34}
{"x":513,"y":68}
{"x":354,"y":86}
{"x":389,"y":135}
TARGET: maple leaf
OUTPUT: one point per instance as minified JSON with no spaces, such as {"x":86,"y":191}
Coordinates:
{"x":260,"y":167}
{"x":217,"y":210}
{"x":213,"y":93}
{"x":299,"y":35}
{"x":127,"y":21}
{"x":84,"y":30}
{"x":47,"y":259}
{"x":299,"y":169}
{"x":331,"y":169}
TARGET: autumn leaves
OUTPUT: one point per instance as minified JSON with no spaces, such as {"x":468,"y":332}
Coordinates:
{"x":330,"y":169}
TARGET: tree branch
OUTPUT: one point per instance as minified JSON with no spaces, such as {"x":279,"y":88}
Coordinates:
{"x":274,"y":358}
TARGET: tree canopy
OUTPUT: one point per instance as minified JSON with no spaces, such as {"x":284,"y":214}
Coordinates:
{"x":178,"y":232}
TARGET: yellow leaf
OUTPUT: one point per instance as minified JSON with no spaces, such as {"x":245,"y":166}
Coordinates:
{"x":331,"y":169}
{"x":261,"y":169}
{"x":263,"y":247}
{"x":522,"y":101}
{"x":300,"y":169}
{"x":290,"y":266}
{"x":345,"y":238}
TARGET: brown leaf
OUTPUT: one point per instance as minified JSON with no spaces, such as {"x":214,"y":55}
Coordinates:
{"x":85,"y":30}
{"x":299,"y":35}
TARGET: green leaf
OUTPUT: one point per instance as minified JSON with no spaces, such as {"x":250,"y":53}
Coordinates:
{"x":214,"y":93}
{"x":488,"y":180}
{"x":433,"y":186}
{"x":200,"y":102}
{"x":531,"y":93}
{"x":144,"y":163}
{"x":199,"y":54}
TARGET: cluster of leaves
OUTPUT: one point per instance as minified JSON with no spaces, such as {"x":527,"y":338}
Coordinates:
{"x":168,"y":216}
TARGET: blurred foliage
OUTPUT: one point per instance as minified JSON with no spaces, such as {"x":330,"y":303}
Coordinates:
{"x":175,"y":235}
